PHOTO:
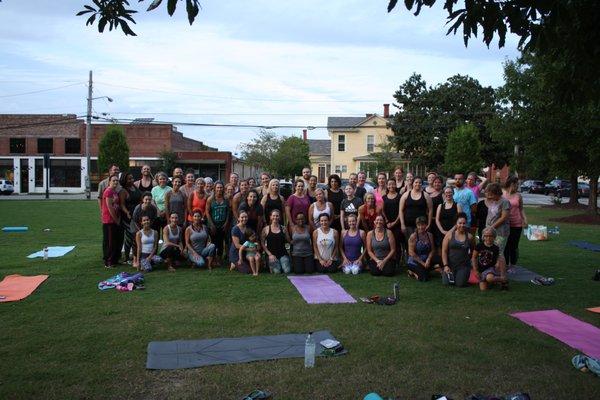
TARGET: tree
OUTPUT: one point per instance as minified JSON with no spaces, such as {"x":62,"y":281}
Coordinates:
{"x":169,"y":160}
{"x":462,"y":151}
{"x":427,"y":114}
{"x":291,"y":157}
{"x":386,"y":158}
{"x":113,"y":149}
{"x":261,"y":150}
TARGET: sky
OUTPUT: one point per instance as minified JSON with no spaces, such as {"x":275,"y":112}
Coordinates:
{"x":260,"y":62}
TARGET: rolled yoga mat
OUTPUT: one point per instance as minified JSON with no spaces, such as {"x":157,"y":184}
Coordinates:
{"x":320,"y":289}
{"x":199,"y":353}
{"x":15,"y":229}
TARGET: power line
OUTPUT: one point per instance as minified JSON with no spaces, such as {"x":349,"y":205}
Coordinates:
{"x":238,"y":114}
{"x":61,"y":121}
{"x":40,"y":91}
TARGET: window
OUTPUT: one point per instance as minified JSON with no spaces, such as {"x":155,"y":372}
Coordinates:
{"x":341,"y":142}
{"x":370,"y":143}
{"x":65,"y":173}
{"x":39,"y":172}
{"x":72,"y":146}
{"x":45,"y":145}
{"x":17,"y":146}
{"x":341,"y":169}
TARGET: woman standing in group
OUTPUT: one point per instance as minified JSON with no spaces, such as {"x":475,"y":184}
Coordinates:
{"x":413,"y":204}
{"x":303,"y":260}
{"x":380,"y":190}
{"x":399,"y":179}
{"x":238,"y":238}
{"x":254,"y":211}
{"x":176,"y":201}
{"x":209,"y":186}
{"x":272,"y":201}
{"x":437,"y":198}
{"x":517,"y":221}
{"x":190,"y":183}
{"x":445,"y":216}
{"x":146,"y":183}
{"x":351,"y":247}
{"x":111,"y":223}
{"x":326,"y":246}
{"x":229,"y":191}
{"x":498,"y":216}
{"x":297,"y":203}
{"x":381,"y":246}
{"x":217,"y":217}
{"x":129,"y":198}
{"x":147,"y":244}
{"x":199,"y":248}
{"x":312,"y":188}
{"x":263,"y":189}
{"x":391,"y":212}
{"x":430,"y":189}
{"x":409,"y":178}
{"x":471,"y":184}
{"x":421,"y":252}
{"x":349,"y":206}
{"x":274,"y":238}
{"x":367,"y":213}
{"x":456,"y":257}
{"x":320,"y":206}
{"x":197,"y":201}
{"x":172,"y":247}
{"x":159,"y":193}
{"x":335,"y":195}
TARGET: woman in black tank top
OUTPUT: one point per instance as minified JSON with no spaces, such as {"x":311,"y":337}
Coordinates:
{"x":413,"y":204}
{"x":272,"y":200}
{"x":274,"y":239}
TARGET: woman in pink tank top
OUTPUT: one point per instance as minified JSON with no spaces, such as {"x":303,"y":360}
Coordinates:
{"x":517,"y":220}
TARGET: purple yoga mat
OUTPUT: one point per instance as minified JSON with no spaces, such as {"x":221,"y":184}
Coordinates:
{"x":320,"y":289}
{"x":577,"y":334}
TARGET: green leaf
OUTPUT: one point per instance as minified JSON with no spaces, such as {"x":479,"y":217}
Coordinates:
{"x":192,"y":10}
{"x":126,"y":28}
{"x":391,"y":5}
{"x":102,"y":24}
{"x":154,"y":5}
{"x":91,"y":20}
{"x":409,"y":4}
{"x":171,"y":6}
{"x":80,"y":13}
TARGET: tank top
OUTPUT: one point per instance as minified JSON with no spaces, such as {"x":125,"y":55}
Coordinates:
{"x":413,"y":209}
{"x":378,"y":197}
{"x":381,"y":248}
{"x":423,"y":246}
{"x":352,"y":246}
{"x":134,"y":197}
{"x":325,"y":243}
{"x":147,"y":242}
{"x":177,"y":205}
{"x":198,"y":239}
{"x":143,"y":188}
{"x":301,"y":243}
{"x":514,"y":215}
{"x":275,"y":242}
{"x":219,"y":212}
{"x":448,"y":216}
{"x":273,"y":204}
{"x":436,"y":201}
{"x":391,"y":207}
{"x":174,"y":237}
{"x":197,"y":204}
{"x":317,"y":212}
{"x":335,"y":198}
{"x":368,"y":215}
{"x":458,"y":252}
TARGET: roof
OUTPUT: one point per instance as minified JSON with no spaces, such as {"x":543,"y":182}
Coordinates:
{"x":370,"y":157}
{"x":319,"y":146}
{"x":344,"y":122}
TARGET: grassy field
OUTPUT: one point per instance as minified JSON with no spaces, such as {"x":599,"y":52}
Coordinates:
{"x":69,"y":340}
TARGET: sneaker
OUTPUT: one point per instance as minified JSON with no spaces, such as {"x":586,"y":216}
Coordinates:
{"x":537,"y":281}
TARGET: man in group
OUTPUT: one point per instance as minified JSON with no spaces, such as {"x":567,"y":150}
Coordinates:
{"x":234,"y":180}
{"x":362,"y":187}
{"x":146,"y":183}
{"x":464,"y":197}
{"x":177,"y":173}
{"x":239,"y":198}
{"x":113,"y":170}
{"x":306,"y":173}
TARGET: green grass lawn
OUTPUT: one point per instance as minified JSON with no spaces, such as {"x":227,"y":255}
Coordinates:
{"x":69,"y":340}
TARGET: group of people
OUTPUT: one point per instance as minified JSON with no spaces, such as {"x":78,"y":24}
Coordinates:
{"x":434,"y":228}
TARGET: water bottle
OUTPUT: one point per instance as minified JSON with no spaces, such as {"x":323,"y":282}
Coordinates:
{"x":45,"y":253}
{"x":309,"y":351}
{"x":556,"y":230}
{"x":396,"y":290}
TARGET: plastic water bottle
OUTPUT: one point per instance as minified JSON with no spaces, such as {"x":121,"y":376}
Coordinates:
{"x":309,"y":351}
{"x":45,"y":253}
{"x":556,"y":230}
{"x":396,"y":290}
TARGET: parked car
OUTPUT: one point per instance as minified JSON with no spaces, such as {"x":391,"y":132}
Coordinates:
{"x":583,"y":189}
{"x":532,"y":186}
{"x":6,"y":187}
{"x":558,"y":187}
{"x":285,"y":189}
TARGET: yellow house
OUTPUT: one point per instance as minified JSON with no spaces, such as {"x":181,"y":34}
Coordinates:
{"x":353,"y":139}
{"x":319,"y":153}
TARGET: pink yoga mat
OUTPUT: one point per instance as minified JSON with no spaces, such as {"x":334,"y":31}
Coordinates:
{"x":320,"y":289}
{"x":577,"y":334}
{"x":17,"y":287}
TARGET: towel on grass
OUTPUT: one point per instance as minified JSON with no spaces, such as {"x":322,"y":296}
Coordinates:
{"x":54,"y":251}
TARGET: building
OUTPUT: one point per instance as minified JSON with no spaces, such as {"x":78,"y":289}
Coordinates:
{"x":319,"y":154}
{"x":25,"y":138}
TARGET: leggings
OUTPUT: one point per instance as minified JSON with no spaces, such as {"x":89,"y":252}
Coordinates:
{"x":112,"y":241}
{"x":511,"y":251}
{"x":303,"y":265}
{"x":218,"y":239}
{"x":387,"y":270}
{"x":129,"y":238}
{"x":461,"y":276}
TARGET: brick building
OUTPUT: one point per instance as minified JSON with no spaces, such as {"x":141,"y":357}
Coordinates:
{"x":25,"y":138}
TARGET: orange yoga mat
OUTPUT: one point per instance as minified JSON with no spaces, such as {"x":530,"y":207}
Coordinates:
{"x":17,"y":287}
{"x":594,"y":309}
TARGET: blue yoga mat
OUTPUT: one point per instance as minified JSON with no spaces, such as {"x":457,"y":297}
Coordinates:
{"x":582,"y":244}
{"x":15,"y":229}
{"x":54,"y":251}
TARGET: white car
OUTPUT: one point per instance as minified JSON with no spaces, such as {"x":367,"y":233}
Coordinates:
{"x":6,"y":187}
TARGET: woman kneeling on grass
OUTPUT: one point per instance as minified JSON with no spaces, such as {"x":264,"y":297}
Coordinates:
{"x":172,"y":248}
{"x":325,"y":246}
{"x":199,"y":248}
{"x":147,"y":243}
{"x":274,"y":238}
{"x":381,"y":246}
{"x":421,"y":252}
{"x":351,"y":247}
{"x":485,"y":262}
{"x":252,"y":249}
{"x":456,"y":247}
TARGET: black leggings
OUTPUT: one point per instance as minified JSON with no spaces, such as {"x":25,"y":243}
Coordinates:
{"x":511,"y":251}
{"x":218,"y":239}
{"x":303,"y":265}
{"x":112,"y":241}
{"x":171,"y":252}
{"x":387,"y":270}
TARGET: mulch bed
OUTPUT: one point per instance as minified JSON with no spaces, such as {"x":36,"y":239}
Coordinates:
{"x":588,"y":219}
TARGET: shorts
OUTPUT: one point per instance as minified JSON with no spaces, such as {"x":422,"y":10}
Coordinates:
{"x":488,"y":271}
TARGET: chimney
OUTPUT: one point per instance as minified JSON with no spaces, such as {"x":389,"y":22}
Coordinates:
{"x":386,"y":111}
{"x":304,"y":135}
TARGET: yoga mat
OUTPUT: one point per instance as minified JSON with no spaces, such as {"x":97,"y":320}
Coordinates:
{"x":521,"y":274}
{"x":594,"y":310}
{"x":577,"y":334}
{"x":54,"y":251}
{"x":17,"y":287}
{"x":198,"y":353}
{"x":320,"y":289}
{"x":15,"y":229}
{"x":585,"y":245}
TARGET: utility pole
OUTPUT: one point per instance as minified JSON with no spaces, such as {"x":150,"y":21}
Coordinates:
{"x":88,"y":134}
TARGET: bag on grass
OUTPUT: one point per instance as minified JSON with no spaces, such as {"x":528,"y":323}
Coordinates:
{"x":537,"y":232}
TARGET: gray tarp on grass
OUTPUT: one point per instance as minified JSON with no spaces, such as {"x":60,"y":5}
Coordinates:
{"x":198,"y":353}
{"x":521,"y":274}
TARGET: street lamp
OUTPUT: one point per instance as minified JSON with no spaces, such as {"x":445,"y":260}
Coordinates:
{"x":88,"y":134}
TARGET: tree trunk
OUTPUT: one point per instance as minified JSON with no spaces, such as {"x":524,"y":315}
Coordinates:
{"x":573,"y":194}
{"x":593,"y":199}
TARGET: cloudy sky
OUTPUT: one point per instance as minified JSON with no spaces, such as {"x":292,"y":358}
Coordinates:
{"x":260,"y":62}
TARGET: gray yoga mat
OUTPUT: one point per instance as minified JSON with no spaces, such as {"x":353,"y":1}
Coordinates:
{"x":198,"y":353}
{"x":521,"y":274}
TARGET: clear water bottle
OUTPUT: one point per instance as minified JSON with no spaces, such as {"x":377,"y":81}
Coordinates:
{"x":45,"y":253}
{"x":396,"y":290}
{"x":556,"y":230}
{"x":309,"y":351}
